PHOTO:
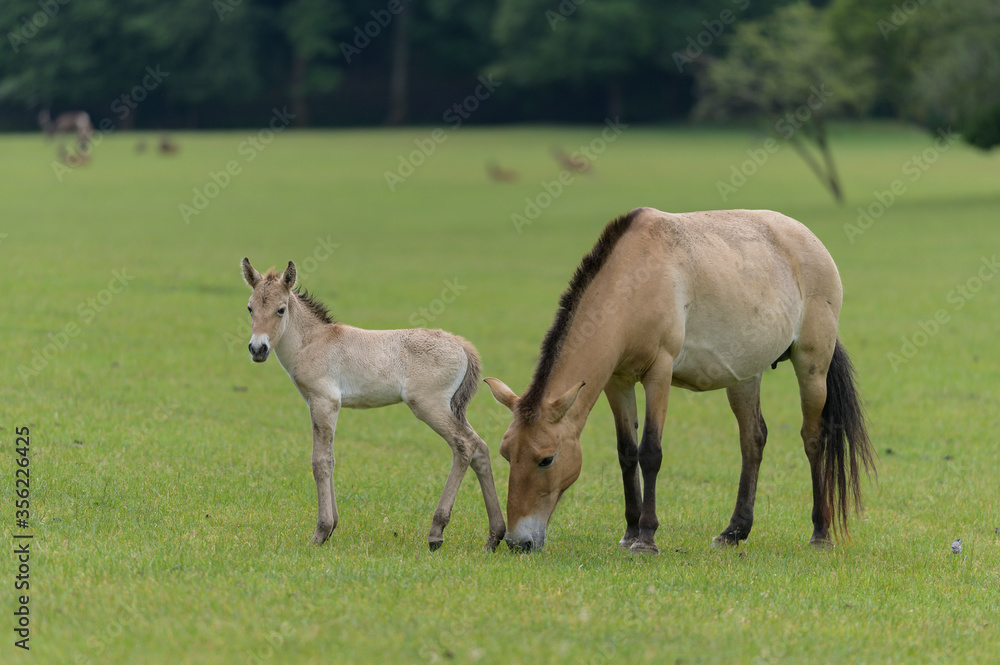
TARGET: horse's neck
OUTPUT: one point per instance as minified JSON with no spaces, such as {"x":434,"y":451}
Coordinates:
{"x":589,"y":354}
{"x":302,"y":328}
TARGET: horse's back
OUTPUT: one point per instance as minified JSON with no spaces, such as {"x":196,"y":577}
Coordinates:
{"x":739,"y":284}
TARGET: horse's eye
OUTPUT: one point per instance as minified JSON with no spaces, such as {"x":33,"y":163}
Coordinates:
{"x":281,"y":311}
{"x":250,"y":309}
{"x":546,"y":462}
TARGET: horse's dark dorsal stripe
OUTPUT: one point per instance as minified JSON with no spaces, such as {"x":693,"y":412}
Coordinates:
{"x":313,"y":305}
{"x":529,"y":407}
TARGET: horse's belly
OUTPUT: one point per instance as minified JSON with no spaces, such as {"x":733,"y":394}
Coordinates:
{"x":721,"y":353}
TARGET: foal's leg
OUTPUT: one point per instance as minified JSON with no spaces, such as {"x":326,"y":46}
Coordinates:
{"x":324,"y":422}
{"x":621,"y":397}
{"x":480,"y":463}
{"x":440,"y":419}
{"x":657,"y":386}
{"x":744,"y":399}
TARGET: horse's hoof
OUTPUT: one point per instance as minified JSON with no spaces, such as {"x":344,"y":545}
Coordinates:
{"x":626,"y":543}
{"x":639,"y":547}
{"x":821,"y":543}
{"x":435,"y":545}
{"x":722,"y":540}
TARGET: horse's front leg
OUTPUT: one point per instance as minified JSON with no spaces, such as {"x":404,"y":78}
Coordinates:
{"x":324,"y":413}
{"x":621,"y":397}
{"x":744,"y":399}
{"x":657,"y":386}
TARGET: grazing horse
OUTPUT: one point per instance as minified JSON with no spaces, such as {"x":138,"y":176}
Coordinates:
{"x":701,"y":301}
{"x":335,"y":365}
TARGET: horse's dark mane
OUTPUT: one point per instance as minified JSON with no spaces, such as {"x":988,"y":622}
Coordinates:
{"x":529,"y":406}
{"x":318,"y":309}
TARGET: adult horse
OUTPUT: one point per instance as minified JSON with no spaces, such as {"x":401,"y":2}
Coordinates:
{"x":701,"y":301}
{"x":334,"y":365}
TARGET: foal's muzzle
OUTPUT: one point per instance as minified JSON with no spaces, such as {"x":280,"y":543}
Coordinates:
{"x":259,"y":353}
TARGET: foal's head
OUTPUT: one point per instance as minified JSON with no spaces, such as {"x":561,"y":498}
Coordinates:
{"x":545,"y":459}
{"x":268,"y":307}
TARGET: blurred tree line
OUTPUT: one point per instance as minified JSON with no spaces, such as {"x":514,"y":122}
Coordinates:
{"x":226,"y":63}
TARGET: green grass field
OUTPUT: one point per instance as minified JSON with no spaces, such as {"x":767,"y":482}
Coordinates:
{"x":171,"y":492}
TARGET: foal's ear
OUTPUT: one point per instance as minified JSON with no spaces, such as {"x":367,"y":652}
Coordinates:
{"x":288,"y":277}
{"x":502,"y":393}
{"x":559,"y":406}
{"x":250,"y":275}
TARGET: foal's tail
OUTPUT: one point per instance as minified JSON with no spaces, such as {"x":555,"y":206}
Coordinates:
{"x":844,"y":439}
{"x":470,"y":382}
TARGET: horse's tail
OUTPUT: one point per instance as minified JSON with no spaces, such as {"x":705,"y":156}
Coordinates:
{"x":844,"y":437}
{"x":470,"y":382}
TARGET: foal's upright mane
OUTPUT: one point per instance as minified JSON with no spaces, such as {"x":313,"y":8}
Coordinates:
{"x":308,"y":300}
{"x":529,"y":406}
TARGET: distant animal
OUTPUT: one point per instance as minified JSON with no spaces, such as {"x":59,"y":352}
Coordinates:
{"x":700,"y":301}
{"x":335,"y":365}
{"x":167,"y":146}
{"x":956,"y":547}
{"x":499,"y":174}
{"x":577,"y":164}
{"x":72,"y":159}
{"x":70,"y":122}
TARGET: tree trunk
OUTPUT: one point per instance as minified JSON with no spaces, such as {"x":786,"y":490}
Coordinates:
{"x":300,"y":107}
{"x":399,"y":75}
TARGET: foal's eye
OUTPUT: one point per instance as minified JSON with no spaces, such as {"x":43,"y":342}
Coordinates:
{"x":281,"y":311}
{"x":546,"y":462}
{"x":250,"y":309}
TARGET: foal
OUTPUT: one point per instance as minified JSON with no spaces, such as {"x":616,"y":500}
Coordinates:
{"x":333,"y":365}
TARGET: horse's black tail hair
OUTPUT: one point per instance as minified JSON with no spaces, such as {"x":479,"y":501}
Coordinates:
{"x":844,"y":437}
{"x":470,"y":382}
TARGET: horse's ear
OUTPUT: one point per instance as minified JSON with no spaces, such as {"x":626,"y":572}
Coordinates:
{"x":288,"y":277}
{"x":502,"y":393}
{"x":250,"y":275}
{"x":559,"y":406}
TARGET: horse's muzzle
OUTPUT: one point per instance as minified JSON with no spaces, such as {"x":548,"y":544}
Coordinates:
{"x":259,"y":353}
{"x":528,"y":535}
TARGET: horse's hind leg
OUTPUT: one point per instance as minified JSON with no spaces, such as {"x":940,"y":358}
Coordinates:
{"x":744,"y":399}
{"x":811,"y":361}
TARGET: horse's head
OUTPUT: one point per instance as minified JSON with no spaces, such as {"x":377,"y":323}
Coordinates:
{"x":544,"y":455}
{"x":268,"y":307}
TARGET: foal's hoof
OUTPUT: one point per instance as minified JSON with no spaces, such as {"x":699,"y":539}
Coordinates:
{"x":821,"y":543}
{"x":321,"y":535}
{"x":435,"y":545}
{"x":639,"y":547}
